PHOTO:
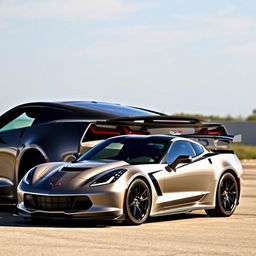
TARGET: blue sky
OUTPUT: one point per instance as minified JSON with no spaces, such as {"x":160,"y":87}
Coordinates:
{"x":193,"y":56}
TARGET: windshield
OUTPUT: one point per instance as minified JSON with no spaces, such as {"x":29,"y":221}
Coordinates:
{"x":131,"y":150}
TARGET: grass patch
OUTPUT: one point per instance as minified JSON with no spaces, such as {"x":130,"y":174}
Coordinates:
{"x":244,"y":151}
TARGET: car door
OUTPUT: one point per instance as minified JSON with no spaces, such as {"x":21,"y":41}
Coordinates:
{"x":12,"y":126}
{"x":187,"y":183}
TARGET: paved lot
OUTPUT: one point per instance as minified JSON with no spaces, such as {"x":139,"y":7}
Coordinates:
{"x":187,"y":234}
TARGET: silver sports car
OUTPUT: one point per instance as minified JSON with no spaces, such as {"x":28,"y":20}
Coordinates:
{"x":133,"y":177}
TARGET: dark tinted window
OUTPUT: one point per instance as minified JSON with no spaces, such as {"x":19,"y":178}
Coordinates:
{"x":197,"y":148}
{"x":180,"y":148}
{"x":26,"y":117}
{"x":49,"y":114}
{"x":131,"y":150}
{"x":18,"y":118}
{"x":16,"y":122}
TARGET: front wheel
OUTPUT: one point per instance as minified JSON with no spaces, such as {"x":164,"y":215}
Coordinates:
{"x":137,"y":202}
{"x":226,"y":197}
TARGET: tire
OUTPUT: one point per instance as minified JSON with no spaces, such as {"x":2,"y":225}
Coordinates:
{"x":226,"y":196}
{"x":137,"y":202}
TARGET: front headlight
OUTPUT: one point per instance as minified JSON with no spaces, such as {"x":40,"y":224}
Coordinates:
{"x":27,"y":179}
{"x":108,"y":178}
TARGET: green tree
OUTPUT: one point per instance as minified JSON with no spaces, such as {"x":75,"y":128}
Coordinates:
{"x":252,"y":117}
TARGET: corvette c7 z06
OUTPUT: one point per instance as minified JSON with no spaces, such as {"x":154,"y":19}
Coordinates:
{"x":132,"y":177}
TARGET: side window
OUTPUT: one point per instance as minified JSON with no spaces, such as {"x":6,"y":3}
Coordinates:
{"x":197,"y":148}
{"x":26,"y":117}
{"x":50,"y":114}
{"x":20,"y":121}
{"x":180,"y":148}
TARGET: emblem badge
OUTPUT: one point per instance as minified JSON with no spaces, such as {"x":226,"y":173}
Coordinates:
{"x":55,"y":185}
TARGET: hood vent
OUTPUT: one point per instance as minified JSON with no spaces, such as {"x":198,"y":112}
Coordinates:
{"x":74,"y":169}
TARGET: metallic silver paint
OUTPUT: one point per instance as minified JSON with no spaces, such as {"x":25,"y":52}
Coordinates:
{"x":189,"y":187}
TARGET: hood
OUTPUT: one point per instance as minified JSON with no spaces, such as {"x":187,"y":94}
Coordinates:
{"x":66,"y":177}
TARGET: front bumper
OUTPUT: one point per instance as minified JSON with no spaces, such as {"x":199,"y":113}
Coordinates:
{"x":110,"y":214}
{"x":105,"y":205}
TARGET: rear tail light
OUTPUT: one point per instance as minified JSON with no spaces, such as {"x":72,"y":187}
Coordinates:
{"x":104,"y":132}
{"x":216,"y":131}
{"x":119,"y":130}
{"x":129,"y":131}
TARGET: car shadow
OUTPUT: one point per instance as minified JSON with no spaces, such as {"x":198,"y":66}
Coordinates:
{"x":177,"y":217}
{"x":10,"y":218}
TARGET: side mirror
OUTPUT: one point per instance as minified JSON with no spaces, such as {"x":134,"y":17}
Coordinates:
{"x":73,"y":157}
{"x":179,"y":160}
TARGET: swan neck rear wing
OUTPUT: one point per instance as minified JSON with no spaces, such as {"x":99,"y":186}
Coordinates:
{"x":175,"y":125}
{"x":207,"y":133}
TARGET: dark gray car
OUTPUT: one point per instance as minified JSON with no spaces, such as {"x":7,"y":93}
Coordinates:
{"x":35,"y":133}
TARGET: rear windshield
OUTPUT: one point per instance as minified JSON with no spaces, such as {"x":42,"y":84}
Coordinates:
{"x":118,"y":110}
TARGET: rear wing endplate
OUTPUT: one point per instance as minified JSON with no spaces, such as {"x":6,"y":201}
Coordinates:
{"x":204,"y":139}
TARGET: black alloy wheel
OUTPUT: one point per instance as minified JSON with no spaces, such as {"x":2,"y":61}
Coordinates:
{"x":137,"y":202}
{"x":226,"y":197}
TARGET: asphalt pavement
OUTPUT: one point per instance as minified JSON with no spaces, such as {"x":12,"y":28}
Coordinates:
{"x":184,"y":234}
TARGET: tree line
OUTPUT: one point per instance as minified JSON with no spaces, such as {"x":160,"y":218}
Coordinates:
{"x":251,"y":117}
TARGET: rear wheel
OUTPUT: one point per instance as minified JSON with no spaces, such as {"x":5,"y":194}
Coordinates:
{"x":137,"y":202}
{"x":226,"y":197}
{"x":29,"y":160}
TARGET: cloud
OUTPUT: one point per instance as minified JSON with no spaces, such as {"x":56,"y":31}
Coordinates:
{"x":140,"y":40}
{"x":235,"y":25}
{"x":137,"y":41}
{"x":66,"y":9}
{"x":151,"y":34}
{"x":219,"y":25}
{"x":2,"y":26}
{"x":114,"y":49}
{"x":244,"y":50}
{"x":228,"y":9}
